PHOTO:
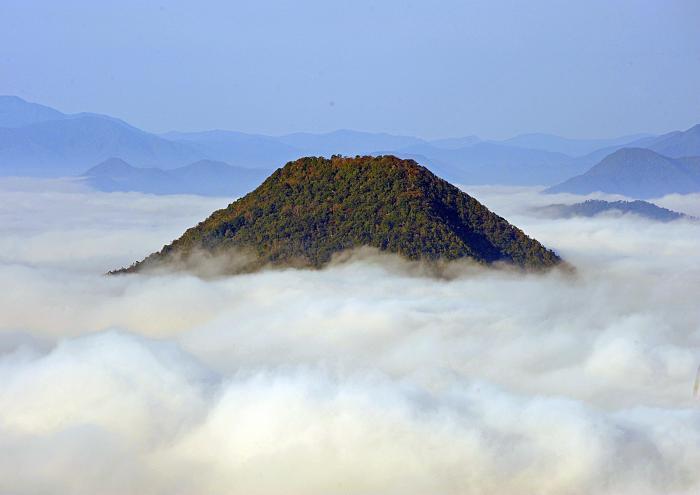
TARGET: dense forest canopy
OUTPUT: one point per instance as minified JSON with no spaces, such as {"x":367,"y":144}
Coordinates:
{"x":314,"y":207}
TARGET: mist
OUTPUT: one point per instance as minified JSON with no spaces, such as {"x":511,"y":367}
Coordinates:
{"x":368,"y":376}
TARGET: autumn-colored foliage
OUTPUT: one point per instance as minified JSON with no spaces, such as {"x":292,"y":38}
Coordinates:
{"x":315,"y":207}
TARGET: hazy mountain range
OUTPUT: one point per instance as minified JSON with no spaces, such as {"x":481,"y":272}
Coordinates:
{"x":204,"y":177}
{"x":571,"y":147}
{"x":40,"y":141}
{"x":37,"y":140}
{"x":637,"y":173}
{"x":491,"y":163}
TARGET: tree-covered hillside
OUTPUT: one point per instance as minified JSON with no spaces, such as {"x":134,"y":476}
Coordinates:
{"x":315,"y":207}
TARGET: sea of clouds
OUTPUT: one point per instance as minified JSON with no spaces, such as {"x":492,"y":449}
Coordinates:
{"x":366,"y":377}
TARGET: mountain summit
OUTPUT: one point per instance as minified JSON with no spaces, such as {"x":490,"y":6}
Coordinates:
{"x":315,"y":207}
{"x":636,"y":173}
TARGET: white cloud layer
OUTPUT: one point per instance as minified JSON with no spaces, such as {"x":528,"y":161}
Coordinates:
{"x":361,"y":378}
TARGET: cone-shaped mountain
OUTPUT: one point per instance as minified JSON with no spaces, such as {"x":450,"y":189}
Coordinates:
{"x":314,"y":207}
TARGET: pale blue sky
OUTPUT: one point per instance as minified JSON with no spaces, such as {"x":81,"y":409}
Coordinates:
{"x":591,"y":68}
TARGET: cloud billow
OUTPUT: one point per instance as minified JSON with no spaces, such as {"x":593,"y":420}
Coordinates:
{"x":365,"y":377}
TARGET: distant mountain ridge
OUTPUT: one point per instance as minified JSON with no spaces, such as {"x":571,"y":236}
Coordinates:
{"x":346,"y":142}
{"x":678,"y":144}
{"x":454,"y":143}
{"x":68,"y":145}
{"x":489,"y":163}
{"x":36,"y":140}
{"x":594,"y":207}
{"x":204,"y":177}
{"x":572,"y":147}
{"x":636,"y":173}
{"x":15,"y":112}
{"x":237,"y":148}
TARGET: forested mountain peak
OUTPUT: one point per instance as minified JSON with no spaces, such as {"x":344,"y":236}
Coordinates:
{"x":315,"y":207}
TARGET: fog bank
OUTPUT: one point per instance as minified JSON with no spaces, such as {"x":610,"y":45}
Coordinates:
{"x":364,"y":377}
